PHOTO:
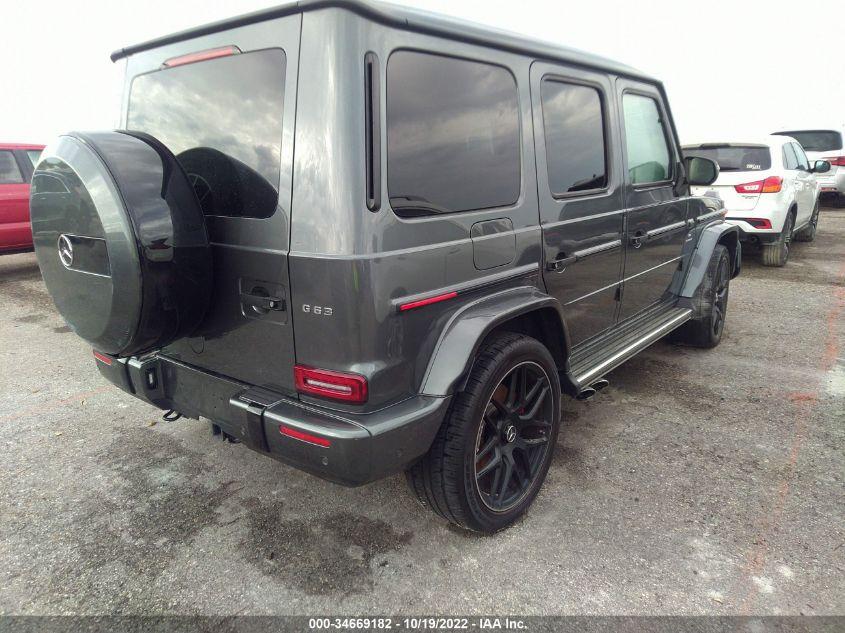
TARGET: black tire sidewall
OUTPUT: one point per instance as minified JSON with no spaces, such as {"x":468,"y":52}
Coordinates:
{"x":522,"y":349}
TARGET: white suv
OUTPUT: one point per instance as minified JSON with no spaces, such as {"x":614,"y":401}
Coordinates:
{"x":825,"y":145}
{"x":769,"y":189}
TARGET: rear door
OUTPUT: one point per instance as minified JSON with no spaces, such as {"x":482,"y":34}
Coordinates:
{"x":580,"y":187}
{"x":229,"y":118}
{"x":656,"y":218}
{"x":15,"y":231}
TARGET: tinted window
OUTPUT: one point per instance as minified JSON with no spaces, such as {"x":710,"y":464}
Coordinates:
{"x":10,"y":173}
{"x":223,"y":120}
{"x":817,"y":140}
{"x":574,"y":128}
{"x":790,"y":161}
{"x":648,"y":152}
{"x":33,"y":155}
{"x":734,"y":157}
{"x":803,"y":163}
{"x":452,"y":135}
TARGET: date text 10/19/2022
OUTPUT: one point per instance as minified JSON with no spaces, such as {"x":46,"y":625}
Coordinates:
{"x":417,"y":624}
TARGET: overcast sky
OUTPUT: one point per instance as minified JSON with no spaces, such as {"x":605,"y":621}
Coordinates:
{"x":732,"y":68}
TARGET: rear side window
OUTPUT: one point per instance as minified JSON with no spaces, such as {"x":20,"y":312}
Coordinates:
{"x":452,"y":135}
{"x":648,"y":152}
{"x":575,"y":147}
{"x":790,"y":160}
{"x":817,"y":140}
{"x":223,"y":120}
{"x":734,"y":157}
{"x":10,"y":173}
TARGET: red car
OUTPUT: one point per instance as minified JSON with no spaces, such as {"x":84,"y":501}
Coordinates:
{"x":16,"y":164}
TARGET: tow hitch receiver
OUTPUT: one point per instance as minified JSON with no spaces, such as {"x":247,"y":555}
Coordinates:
{"x":251,"y":404}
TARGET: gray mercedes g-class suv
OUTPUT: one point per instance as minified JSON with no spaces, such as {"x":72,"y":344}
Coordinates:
{"x":362,"y":239}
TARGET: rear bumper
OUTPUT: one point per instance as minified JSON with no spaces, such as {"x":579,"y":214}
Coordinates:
{"x":832,"y":183}
{"x":747,"y":233}
{"x":362,"y":447}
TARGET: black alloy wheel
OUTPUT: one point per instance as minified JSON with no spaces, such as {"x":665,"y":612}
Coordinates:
{"x":720,"y":297}
{"x":513,"y":438}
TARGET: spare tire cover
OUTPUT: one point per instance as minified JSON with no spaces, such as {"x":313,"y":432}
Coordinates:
{"x":121,"y":240}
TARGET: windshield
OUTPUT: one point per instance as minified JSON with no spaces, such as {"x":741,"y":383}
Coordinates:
{"x":817,"y":140}
{"x":734,"y":157}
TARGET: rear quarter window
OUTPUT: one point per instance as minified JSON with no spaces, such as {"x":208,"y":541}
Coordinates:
{"x":222,"y":118}
{"x":453,"y":139}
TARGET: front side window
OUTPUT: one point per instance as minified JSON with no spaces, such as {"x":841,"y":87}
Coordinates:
{"x":803,"y":163}
{"x":649,"y":158}
{"x":222,"y":118}
{"x":575,"y":141}
{"x":10,"y":173}
{"x":453,"y":140}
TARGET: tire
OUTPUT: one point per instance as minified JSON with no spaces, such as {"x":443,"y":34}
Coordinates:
{"x":777,"y":253}
{"x":706,"y":329}
{"x":808,"y":233}
{"x":487,"y":438}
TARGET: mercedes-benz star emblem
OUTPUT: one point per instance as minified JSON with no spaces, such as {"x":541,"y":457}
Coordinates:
{"x":65,"y":250}
{"x":510,"y":433}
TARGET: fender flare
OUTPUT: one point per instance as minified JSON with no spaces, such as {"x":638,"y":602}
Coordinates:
{"x":460,"y":339}
{"x":716,"y":233}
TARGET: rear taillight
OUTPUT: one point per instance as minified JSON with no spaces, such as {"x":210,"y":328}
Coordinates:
{"x":772,"y":184}
{"x":202,"y":56}
{"x":330,"y":384}
{"x":836,"y":161}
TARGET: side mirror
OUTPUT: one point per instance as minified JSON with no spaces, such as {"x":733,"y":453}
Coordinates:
{"x":701,"y":171}
{"x":820,"y":167}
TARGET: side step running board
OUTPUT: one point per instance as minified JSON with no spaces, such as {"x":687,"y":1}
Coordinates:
{"x":585,"y":376}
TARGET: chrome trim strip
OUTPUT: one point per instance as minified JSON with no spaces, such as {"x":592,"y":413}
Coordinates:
{"x":712,"y":214}
{"x":594,"y":292}
{"x":595,"y":216}
{"x":666,"y":229}
{"x":648,"y":270}
{"x":625,"y":353}
{"x":600,"y":248}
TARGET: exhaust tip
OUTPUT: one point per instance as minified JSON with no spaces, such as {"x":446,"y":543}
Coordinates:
{"x":586,"y":393}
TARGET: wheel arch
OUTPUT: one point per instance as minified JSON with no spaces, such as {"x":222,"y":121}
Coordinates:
{"x":525,"y":310}
{"x":718,"y":233}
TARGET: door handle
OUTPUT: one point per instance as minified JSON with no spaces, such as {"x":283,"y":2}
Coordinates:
{"x":637,"y":238}
{"x":263,"y":302}
{"x":560,"y":263}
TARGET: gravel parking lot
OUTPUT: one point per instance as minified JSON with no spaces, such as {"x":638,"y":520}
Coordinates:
{"x":699,"y":482}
